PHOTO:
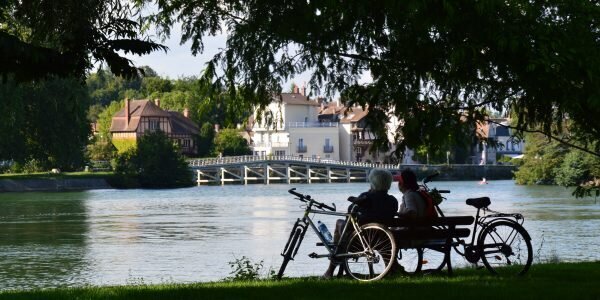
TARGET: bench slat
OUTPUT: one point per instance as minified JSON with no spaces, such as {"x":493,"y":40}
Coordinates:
{"x":429,"y":233}
{"x":442,"y":221}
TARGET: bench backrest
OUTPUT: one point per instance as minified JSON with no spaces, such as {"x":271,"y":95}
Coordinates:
{"x":441,"y":221}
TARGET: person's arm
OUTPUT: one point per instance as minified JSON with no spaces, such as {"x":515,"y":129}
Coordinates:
{"x":358,"y":200}
{"x":409,"y":207}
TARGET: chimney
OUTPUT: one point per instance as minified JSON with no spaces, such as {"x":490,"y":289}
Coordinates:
{"x":303,"y":90}
{"x":127,"y":112}
{"x":157,"y":102}
{"x":295,"y":89}
{"x":186,"y":112}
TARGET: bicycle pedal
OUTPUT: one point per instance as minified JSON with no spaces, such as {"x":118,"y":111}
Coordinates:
{"x":320,"y":244}
{"x":313,"y":255}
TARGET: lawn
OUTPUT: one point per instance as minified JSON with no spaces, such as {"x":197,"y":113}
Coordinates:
{"x":547,"y":281}
{"x":48,"y":175}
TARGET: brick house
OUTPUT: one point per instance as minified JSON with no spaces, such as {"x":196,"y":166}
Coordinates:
{"x":141,"y":116}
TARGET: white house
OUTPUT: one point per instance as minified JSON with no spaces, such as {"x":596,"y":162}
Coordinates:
{"x":293,"y":124}
{"x":290,"y":126}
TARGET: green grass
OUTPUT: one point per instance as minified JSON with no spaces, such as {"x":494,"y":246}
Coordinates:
{"x":548,"y":281}
{"x":64,"y":175}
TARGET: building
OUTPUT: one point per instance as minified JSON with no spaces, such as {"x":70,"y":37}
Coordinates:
{"x":290,"y":126}
{"x":142,"y":116}
{"x":496,"y":132}
{"x":293,"y":124}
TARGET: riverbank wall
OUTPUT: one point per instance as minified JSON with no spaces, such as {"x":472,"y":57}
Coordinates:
{"x":447,"y":173}
{"x":52,"y":184}
{"x":464,"y":172}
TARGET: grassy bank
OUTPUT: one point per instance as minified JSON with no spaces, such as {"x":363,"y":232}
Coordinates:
{"x":64,"y":175}
{"x":548,"y":281}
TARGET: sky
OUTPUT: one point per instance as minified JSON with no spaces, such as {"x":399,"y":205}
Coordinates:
{"x":179,"y":62}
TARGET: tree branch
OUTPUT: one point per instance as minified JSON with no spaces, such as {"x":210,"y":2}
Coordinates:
{"x":562,"y":141}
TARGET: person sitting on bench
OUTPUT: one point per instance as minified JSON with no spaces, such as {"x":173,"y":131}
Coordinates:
{"x":375,"y":205}
{"x":412,"y":206}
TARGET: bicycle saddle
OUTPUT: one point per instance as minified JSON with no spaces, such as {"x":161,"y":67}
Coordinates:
{"x":479,"y":202}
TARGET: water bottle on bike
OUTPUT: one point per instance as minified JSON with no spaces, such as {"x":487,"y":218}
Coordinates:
{"x":325,"y":232}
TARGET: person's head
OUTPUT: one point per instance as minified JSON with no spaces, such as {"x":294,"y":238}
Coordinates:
{"x":407,"y":181}
{"x":380,"y":180}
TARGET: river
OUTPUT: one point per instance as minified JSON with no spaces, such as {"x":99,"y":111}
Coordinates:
{"x":115,"y":237}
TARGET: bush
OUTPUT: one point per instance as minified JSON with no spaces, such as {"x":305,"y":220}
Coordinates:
{"x":154,"y":163}
{"x":244,"y":270}
{"x":33,"y":166}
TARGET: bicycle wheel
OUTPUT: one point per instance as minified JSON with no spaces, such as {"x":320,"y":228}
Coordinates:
{"x":411,"y":260}
{"x":288,"y":252}
{"x":505,"y":248}
{"x":370,"y":252}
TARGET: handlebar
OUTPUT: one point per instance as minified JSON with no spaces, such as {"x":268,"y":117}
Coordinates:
{"x":429,"y":177}
{"x":306,"y":198}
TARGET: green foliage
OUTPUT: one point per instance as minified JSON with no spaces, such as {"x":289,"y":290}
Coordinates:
{"x":206,"y":140}
{"x":154,"y":163}
{"x":44,"y":120}
{"x":572,"y":171}
{"x":245,"y":270}
{"x":64,"y":38}
{"x":101,"y":150}
{"x":229,"y":142}
{"x":541,"y":159}
{"x":433,"y":63}
{"x":123,"y":145}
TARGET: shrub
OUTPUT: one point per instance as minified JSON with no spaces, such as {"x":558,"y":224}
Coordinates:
{"x":154,"y":163}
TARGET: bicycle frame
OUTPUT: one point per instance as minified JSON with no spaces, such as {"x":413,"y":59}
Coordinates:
{"x":302,"y":224}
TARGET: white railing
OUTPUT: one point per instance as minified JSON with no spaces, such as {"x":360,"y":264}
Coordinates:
{"x":230,"y":160}
{"x":311,"y":124}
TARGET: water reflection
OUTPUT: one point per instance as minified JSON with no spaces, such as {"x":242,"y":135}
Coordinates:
{"x":42,"y":240}
{"x":186,"y":235}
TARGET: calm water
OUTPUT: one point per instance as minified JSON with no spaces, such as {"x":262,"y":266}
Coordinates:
{"x":108,"y":237}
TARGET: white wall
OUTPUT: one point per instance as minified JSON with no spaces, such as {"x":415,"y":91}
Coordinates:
{"x":314,"y":140}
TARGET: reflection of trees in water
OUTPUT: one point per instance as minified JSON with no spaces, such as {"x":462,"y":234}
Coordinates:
{"x":42,"y":239}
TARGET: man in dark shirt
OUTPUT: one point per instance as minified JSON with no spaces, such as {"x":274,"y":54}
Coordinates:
{"x":375,"y":205}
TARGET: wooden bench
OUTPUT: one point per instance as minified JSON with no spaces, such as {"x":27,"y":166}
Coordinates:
{"x":437,"y":233}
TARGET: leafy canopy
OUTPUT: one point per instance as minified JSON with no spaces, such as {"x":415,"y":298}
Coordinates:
{"x":47,"y":37}
{"x":434,"y":64}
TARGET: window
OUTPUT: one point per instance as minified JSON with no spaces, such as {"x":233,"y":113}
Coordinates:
{"x":300,"y":142}
{"x":279,"y":152}
{"x":327,"y":156}
{"x":327,"y":142}
{"x":186,"y":143}
{"x":154,"y":124}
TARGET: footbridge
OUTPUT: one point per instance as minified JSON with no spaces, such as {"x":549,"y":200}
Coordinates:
{"x":280,"y":169}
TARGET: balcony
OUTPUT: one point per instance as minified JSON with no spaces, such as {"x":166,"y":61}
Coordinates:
{"x":311,"y":124}
{"x":327,"y":149}
{"x":362,"y":142}
{"x":301,"y":149}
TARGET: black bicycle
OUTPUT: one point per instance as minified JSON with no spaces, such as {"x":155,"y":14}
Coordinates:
{"x":498,"y":239}
{"x":366,"y":251}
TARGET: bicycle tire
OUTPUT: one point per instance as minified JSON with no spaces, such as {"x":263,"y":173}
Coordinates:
{"x":288,"y":252}
{"x":376,"y":260}
{"x":505,"y":248}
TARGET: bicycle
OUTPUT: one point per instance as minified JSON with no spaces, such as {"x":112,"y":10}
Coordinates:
{"x":499,"y":240}
{"x":366,"y":251}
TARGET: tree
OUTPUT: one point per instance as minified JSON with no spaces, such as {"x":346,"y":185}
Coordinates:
{"x":155,"y":163}
{"x":206,"y":140}
{"x":431,"y":61}
{"x":63,"y":38}
{"x":229,"y":142}
{"x":44,"y":120}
